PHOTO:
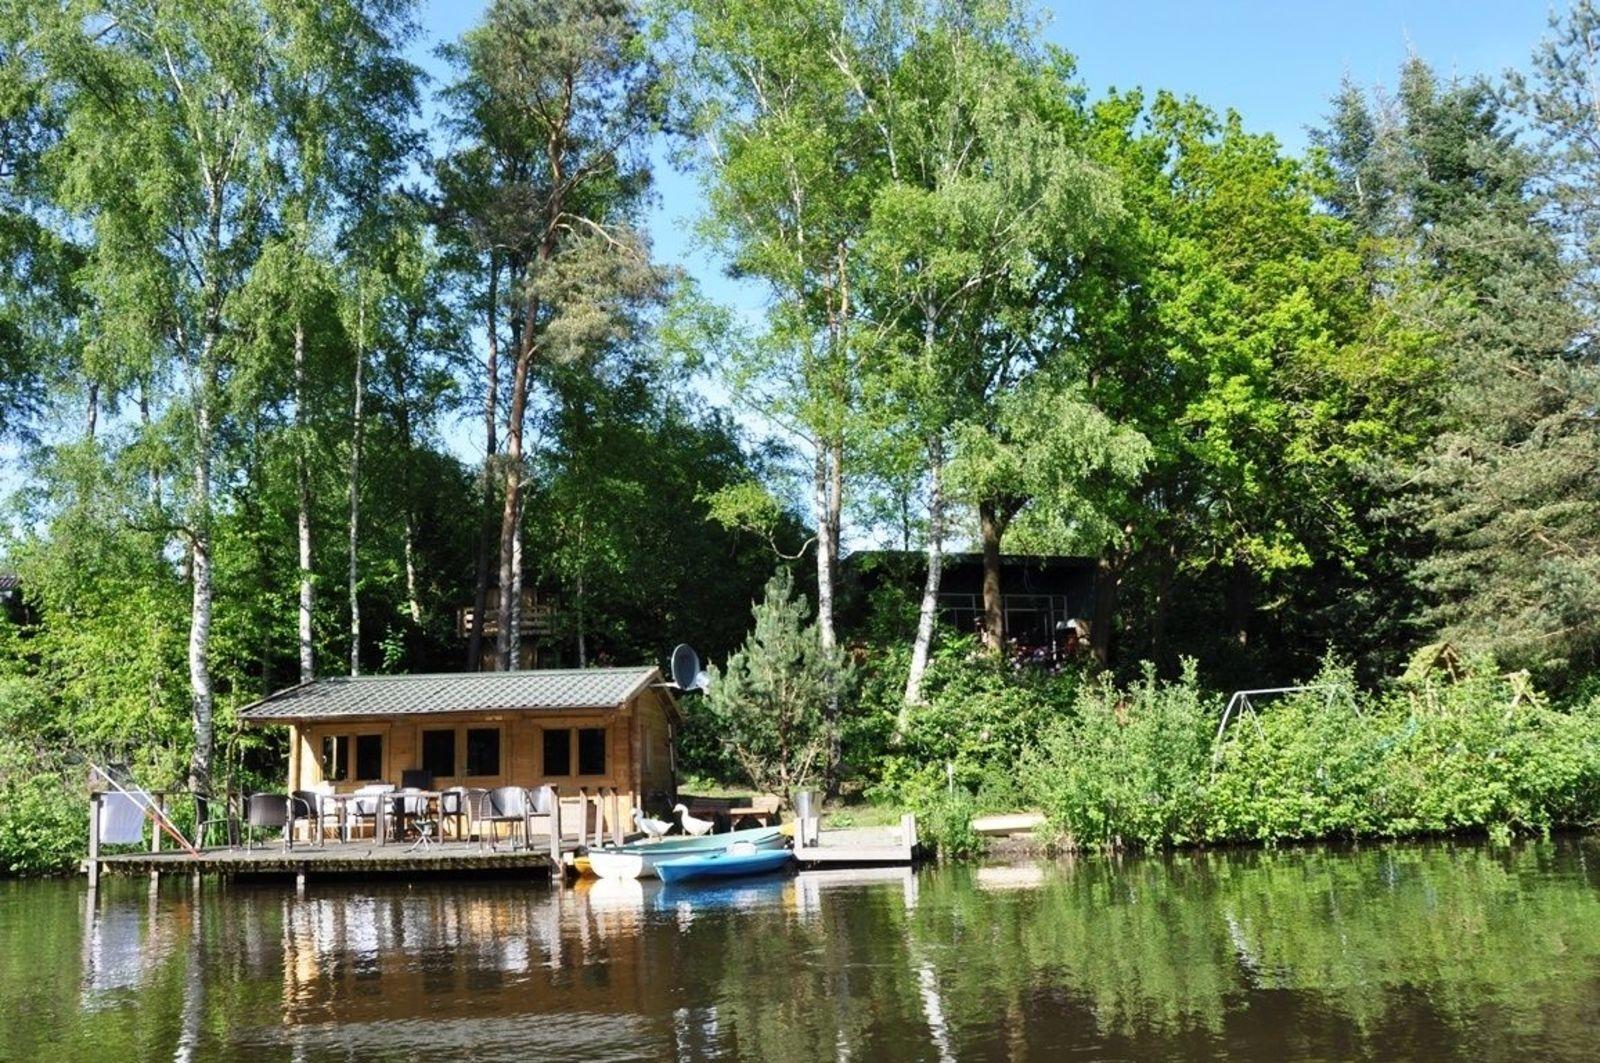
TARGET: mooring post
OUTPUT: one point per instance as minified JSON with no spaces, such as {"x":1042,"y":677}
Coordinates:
{"x":908,"y":831}
{"x":555,"y":826}
{"x":300,"y":883}
{"x":616,"y":817}
{"x":94,"y":838}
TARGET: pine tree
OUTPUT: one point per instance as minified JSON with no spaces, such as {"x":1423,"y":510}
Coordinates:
{"x":769,"y":701}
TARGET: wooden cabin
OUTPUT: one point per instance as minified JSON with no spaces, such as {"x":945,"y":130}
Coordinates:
{"x":598,"y":731}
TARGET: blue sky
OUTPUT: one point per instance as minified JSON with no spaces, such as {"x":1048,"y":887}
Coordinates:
{"x":1277,"y":63}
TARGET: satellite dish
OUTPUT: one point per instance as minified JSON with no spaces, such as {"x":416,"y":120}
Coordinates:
{"x":687,"y":674}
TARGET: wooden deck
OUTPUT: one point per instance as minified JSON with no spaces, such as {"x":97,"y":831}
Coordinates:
{"x":859,"y":846}
{"x":338,"y":858}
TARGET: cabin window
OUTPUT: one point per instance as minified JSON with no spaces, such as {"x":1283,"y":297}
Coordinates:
{"x":592,"y":751}
{"x":439,"y":753}
{"x":558,"y":752}
{"x":483,"y":751}
{"x":369,"y":757}
{"x":335,"y":757}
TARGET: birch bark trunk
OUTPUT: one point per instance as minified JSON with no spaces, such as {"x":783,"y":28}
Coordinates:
{"x":355,"y":485}
{"x":200,"y":688}
{"x":928,"y":613}
{"x":302,"y":477}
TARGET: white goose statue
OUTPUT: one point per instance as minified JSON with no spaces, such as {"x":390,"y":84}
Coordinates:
{"x":691,"y":825}
{"x":653,"y":827}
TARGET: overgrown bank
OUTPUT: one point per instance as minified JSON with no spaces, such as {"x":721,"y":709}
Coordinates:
{"x":1140,"y":765}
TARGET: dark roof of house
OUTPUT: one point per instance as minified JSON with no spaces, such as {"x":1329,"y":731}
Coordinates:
{"x":865,"y":558}
{"x":410,"y":695}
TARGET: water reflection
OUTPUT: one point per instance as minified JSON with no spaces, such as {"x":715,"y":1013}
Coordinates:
{"x":1421,"y":952}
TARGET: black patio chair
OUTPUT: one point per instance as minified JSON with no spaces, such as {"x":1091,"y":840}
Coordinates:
{"x":503,"y":804}
{"x":211,"y":811}
{"x":266,"y":811}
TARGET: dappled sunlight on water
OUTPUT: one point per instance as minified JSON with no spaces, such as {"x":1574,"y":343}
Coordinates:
{"x":1426,"y":952}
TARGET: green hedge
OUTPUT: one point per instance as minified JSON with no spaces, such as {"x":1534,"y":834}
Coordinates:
{"x":1140,"y":767}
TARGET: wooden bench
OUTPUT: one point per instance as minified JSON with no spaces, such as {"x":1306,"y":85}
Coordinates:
{"x":762,"y":809}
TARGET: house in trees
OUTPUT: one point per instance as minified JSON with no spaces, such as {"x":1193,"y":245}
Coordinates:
{"x":599,"y":730}
{"x":1039,"y":594}
{"x":12,"y":606}
{"x":541,"y":645}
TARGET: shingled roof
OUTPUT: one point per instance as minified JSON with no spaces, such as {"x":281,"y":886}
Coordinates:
{"x":412,"y":695}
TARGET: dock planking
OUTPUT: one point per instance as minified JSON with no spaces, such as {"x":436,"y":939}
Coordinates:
{"x":858,"y":846}
{"x":335,"y":858}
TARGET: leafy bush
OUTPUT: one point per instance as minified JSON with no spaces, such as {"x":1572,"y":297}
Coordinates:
{"x":1124,"y":767}
{"x":979,"y":715}
{"x":44,"y":825}
{"x":944,"y":818}
{"x":1140,"y":767}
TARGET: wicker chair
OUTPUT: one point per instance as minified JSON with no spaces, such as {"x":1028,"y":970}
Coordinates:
{"x":367,"y":804}
{"x":319,"y":811}
{"x":267,"y":811}
{"x":459,"y":804}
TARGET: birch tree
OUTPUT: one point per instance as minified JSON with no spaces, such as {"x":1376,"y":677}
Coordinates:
{"x":343,"y":99}
{"x":986,"y":193}
{"x":782,"y":145}
{"x":164,"y":155}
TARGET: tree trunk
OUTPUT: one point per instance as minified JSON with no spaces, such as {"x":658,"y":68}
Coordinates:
{"x":928,"y":614}
{"x":154,"y":474}
{"x":491,"y":413}
{"x":514,"y":620}
{"x":1107,"y":585}
{"x":829,"y":486}
{"x":1241,"y":599}
{"x":991,"y":526}
{"x":200,"y":690}
{"x":302,"y":483}
{"x":1166,"y":562}
{"x":507,"y":638}
{"x":408,"y":513}
{"x":577,"y":610}
{"x":355,"y":485}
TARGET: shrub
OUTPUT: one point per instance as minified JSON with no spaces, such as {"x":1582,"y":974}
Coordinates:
{"x":1125,"y":767}
{"x":44,"y":825}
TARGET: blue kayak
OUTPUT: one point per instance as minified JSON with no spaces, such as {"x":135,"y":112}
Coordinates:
{"x":726,"y":864}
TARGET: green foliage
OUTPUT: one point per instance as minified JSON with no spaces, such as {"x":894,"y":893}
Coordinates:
{"x":1138,"y":768}
{"x":944,"y":818}
{"x":1125,"y":767}
{"x":768,"y":701}
{"x":978,"y":716}
{"x":43,"y":823}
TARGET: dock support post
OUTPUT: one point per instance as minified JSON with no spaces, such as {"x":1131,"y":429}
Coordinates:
{"x":94,"y":839}
{"x":908,"y":831}
{"x":300,"y":883}
{"x":616,"y":817}
{"x":555,"y":828}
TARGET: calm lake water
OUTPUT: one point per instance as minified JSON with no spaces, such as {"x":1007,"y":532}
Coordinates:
{"x":1419,"y":952}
